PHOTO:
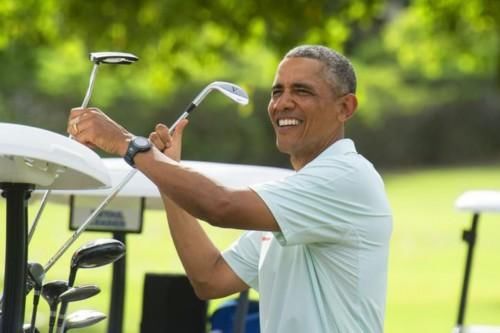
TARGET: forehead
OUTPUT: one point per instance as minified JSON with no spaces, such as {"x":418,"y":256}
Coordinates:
{"x":298,"y":69}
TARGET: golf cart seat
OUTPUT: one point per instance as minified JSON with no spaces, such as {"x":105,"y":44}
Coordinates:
{"x":475,"y":202}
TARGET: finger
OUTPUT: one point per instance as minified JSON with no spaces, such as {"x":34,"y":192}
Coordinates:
{"x":76,"y":112}
{"x":157,"y":141}
{"x":179,"y":130}
{"x":163,"y":132}
{"x":75,"y":117}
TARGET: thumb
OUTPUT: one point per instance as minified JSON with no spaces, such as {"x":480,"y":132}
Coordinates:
{"x":179,"y":130}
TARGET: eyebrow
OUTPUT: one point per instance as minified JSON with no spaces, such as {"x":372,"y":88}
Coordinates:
{"x":294,"y":86}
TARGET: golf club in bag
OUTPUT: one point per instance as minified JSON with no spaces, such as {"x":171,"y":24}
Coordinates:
{"x":93,"y":254}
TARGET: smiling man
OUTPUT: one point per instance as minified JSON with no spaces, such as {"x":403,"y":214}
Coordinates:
{"x":317,"y":243}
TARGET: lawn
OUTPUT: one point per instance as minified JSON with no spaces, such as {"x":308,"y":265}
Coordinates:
{"x":426,"y":261}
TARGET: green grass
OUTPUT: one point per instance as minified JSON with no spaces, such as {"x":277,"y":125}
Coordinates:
{"x":426,"y":261}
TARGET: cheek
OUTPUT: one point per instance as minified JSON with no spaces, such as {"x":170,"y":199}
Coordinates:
{"x":270,"y":109}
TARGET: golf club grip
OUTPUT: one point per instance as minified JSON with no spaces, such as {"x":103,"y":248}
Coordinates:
{"x":183,"y":116}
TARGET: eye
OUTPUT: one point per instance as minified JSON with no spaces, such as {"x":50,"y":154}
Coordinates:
{"x":303,"y":91}
{"x":276,"y":92}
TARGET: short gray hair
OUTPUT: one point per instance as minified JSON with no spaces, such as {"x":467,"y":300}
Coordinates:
{"x":340,"y":73}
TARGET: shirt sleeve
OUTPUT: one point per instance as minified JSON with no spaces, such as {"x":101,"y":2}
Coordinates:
{"x":315,"y":205}
{"x":243,"y":257}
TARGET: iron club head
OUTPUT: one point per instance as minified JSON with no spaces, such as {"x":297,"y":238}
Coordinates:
{"x":231,"y":90}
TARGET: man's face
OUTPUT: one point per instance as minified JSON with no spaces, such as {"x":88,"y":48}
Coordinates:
{"x":303,"y":109}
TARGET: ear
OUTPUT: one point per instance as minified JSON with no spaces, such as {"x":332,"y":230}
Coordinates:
{"x":348,"y":105}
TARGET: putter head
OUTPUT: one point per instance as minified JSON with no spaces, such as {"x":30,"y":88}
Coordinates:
{"x":83,"y":318}
{"x":75,"y":294}
{"x":231,"y":90}
{"x":113,"y":58}
{"x":98,"y":253}
{"x":52,"y":290}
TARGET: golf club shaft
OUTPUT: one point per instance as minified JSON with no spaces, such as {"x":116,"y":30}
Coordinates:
{"x":43,"y":202}
{"x":91,"y":218}
{"x":36,"y":298}
{"x":90,"y":88}
{"x":105,"y":202}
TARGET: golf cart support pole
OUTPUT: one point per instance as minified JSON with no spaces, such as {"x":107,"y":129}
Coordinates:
{"x":17,"y":196}
{"x":115,"y":321}
{"x":469,"y":236}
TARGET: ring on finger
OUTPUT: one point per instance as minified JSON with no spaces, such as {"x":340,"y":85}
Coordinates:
{"x":75,"y":127}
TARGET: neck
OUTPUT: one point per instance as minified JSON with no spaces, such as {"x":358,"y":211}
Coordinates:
{"x":299,"y":161}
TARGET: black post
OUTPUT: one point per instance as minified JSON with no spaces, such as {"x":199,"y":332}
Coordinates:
{"x":469,"y":236}
{"x":115,"y":322}
{"x":17,"y":196}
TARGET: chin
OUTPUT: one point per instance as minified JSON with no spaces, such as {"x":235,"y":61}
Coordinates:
{"x":283,"y":148}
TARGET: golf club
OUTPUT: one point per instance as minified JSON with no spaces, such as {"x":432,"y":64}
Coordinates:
{"x":111,"y":58}
{"x":75,"y":294}
{"x":28,"y":328}
{"x":230,"y":90}
{"x":36,"y":274}
{"x":82,"y":318}
{"x":51,"y":292}
{"x":93,"y":254}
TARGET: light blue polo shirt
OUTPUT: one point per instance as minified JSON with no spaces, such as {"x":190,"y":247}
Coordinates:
{"x":326,"y":271}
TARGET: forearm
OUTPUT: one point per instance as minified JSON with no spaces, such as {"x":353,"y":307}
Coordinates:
{"x":193,"y":192}
{"x":196,"y":251}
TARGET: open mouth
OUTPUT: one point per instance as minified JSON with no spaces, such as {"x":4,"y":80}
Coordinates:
{"x":286,"y":122}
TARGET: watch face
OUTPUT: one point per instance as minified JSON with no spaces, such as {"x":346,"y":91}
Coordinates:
{"x":141,"y":142}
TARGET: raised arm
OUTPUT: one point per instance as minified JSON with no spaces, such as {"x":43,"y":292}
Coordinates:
{"x":205,"y":267}
{"x":200,"y":196}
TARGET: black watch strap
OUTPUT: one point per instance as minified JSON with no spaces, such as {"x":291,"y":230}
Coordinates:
{"x":138,"y":144}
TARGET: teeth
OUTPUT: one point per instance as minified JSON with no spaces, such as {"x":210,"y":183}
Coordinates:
{"x":288,"y":122}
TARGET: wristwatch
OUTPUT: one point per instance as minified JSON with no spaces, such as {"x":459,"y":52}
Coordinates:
{"x":138,"y":144}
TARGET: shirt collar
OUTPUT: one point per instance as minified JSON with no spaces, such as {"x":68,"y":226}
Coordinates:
{"x":340,"y":147}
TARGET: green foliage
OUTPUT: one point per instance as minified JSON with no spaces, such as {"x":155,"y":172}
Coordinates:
{"x":410,"y":56}
{"x":447,"y":37}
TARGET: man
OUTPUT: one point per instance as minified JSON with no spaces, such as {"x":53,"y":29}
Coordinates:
{"x":317,"y":245}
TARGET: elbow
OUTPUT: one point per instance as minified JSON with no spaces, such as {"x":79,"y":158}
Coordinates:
{"x":204,"y":291}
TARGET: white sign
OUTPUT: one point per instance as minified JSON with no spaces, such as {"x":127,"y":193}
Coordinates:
{"x":123,"y":214}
